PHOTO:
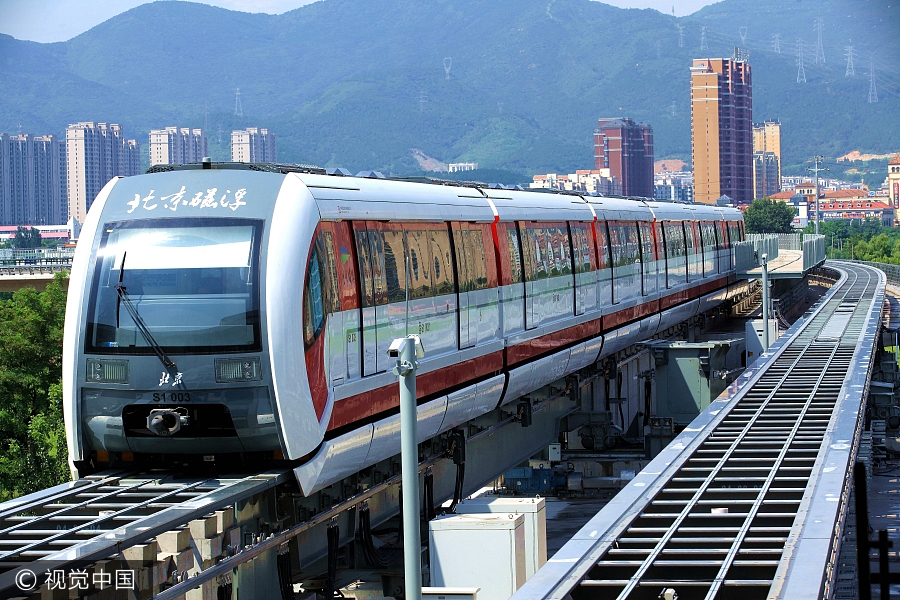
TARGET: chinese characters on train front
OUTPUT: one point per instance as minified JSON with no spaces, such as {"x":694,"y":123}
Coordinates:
{"x":209,"y":198}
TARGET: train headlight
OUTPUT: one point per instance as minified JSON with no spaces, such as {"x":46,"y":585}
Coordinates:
{"x":235,"y":370}
{"x":106,"y":370}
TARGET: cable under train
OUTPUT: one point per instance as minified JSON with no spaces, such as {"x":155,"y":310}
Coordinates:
{"x":218,"y":312}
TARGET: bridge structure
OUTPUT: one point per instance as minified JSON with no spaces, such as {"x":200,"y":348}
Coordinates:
{"x":32,"y":267}
{"x":750,"y":500}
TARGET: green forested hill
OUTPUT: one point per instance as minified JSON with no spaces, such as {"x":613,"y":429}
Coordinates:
{"x":356,"y":83}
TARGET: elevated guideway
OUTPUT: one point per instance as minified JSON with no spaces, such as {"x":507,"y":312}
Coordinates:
{"x":749,"y":501}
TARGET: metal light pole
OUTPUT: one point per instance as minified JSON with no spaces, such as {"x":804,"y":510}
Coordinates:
{"x":817,"y":161}
{"x":406,"y":351}
{"x":765,"y":299}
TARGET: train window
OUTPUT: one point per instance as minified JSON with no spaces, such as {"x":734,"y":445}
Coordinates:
{"x":545,"y":250}
{"x":660,"y":241}
{"x":394,"y":265}
{"x":313,"y":304}
{"x":648,"y":248}
{"x":193,"y":282}
{"x":690,"y":236}
{"x":443,"y":265}
{"x":623,"y":237}
{"x":471,"y":263}
{"x":515,"y":259}
{"x":420,"y":265}
{"x":331,"y":295}
{"x":602,"y":245}
{"x":364,"y":258}
{"x":582,"y":242}
{"x":675,"y":253}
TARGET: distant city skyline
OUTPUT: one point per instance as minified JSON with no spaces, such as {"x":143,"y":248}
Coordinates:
{"x":60,"y":20}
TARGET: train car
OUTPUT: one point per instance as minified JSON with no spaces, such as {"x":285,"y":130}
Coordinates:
{"x":232,"y":313}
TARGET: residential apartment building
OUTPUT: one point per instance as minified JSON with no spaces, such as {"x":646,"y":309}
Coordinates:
{"x":254,"y":144}
{"x":32,"y":180}
{"x":675,"y":186}
{"x":767,"y":139}
{"x":597,"y":182}
{"x":626,"y":149}
{"x":722,"y":134}
{"x":95,"y":153}
{"x":177,"y":146}
{"x":765,"y":175}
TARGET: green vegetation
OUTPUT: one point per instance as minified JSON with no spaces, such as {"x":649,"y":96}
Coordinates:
{"x":26,"y":238}
{"x":768,"y":216}
{"x":527,"y":80}
{"x":860,"y":240}
{"x":33,"y":449}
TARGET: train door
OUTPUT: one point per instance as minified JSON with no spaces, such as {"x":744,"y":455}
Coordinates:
{"x":585,"y":267}
{"x":604,"y":264}
{"x":371,"y":284}
{"x":392,"y":314}
{"x":512,"y":286}
{"x":470,"y":264}
{"x":530,"y":260}
{"x":648,"y":258}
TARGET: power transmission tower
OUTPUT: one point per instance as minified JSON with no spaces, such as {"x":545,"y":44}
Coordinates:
{"x":743,"y":32}
{"x":703,"y":45}
{"x":448,"y":62}
{"x":776,"y":42}
{"x":658,"y":49}
{"x":220,"y":133}
{"x":820,"y":51}
{"x":205,"y":117}
{"x":238,"y":108}
{"x":817,"y":169}
{"x":801,"y":72}
{"x":849,"y":54}
{"x":873,"y":91}
{"x":422,"y":100}
{"x":680,"y":35}
{"x":499,"y":108}
{"x":673,"y":108}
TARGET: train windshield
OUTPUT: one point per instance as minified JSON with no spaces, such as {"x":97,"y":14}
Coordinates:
{"x":193,"y":283}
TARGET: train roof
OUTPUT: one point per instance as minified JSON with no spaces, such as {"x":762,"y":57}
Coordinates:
{"x":370,"y":195}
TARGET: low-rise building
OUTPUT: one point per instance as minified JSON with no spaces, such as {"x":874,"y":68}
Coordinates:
{"x":463,"y":166}
{"x":840,"y":204}
{"x":893,"y":181}
{"x":594,"y":182}
{"x":674,"y":187}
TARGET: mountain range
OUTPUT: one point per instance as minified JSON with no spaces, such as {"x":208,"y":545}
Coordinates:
{"x":516,"y":86}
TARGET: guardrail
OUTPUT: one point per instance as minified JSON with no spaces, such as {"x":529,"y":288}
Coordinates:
{"x":891,"y":271}
{"x":747,"y":253}
{"x":33,"y":255}
{"x":813,"y":250}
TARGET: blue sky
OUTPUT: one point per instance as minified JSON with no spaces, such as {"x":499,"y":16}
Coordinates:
{"x":58,"y":20}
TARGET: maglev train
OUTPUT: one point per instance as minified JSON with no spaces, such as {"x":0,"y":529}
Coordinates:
{"x":220,"y":313}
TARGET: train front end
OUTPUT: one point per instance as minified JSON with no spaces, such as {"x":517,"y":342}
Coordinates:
{"x":167,"y":354}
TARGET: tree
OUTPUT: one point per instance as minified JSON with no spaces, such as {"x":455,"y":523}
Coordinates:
{"x":768,"y":216}
{"x":33,"y":445}
{"x":26,"y":238}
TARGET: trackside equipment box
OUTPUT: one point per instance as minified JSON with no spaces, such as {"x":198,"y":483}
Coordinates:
{"x":535,"y":523}
{"x":485,"y":551}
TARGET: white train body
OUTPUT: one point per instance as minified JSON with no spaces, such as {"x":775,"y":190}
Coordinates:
{"x":297,"y":283}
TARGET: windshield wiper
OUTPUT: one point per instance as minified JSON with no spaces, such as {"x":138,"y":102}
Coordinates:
{"x":123,"y":298}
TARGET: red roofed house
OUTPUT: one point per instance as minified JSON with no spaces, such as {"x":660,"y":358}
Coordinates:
{"x":840,"y":204}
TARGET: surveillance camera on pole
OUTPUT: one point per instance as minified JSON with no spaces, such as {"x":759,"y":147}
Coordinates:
{"x":407,"y":351}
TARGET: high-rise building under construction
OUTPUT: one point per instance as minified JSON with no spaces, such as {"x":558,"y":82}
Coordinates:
{"x":722,"y":130}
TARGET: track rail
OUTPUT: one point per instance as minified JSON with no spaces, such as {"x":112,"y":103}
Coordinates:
{"x":725,"y":511}
{"x":100,"y":515}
